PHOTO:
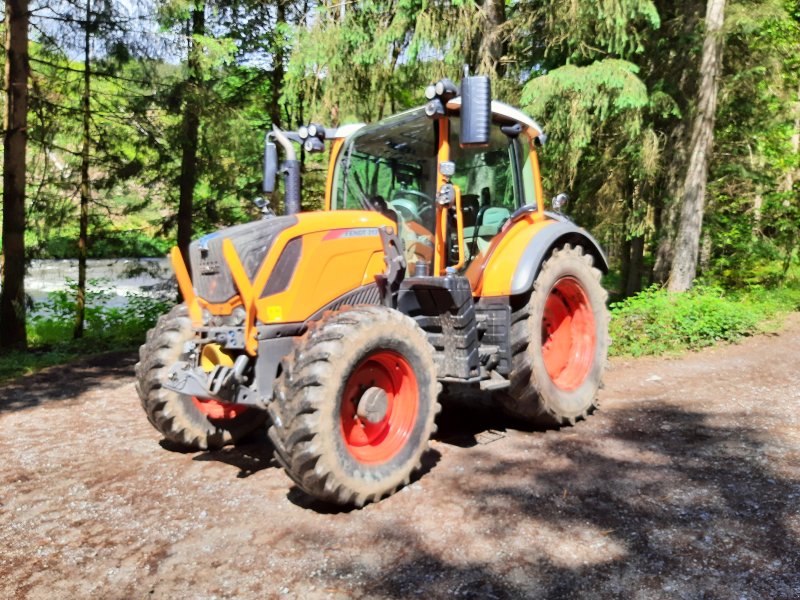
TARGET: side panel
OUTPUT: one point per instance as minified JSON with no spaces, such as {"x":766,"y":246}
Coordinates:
{"x":556,"y":234}
{"x":491,"y":272}
{"x":343,"y":256}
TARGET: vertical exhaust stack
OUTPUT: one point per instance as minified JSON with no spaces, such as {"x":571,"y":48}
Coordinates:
{"x":290,"y":168}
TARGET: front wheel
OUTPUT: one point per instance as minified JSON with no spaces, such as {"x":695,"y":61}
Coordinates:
{"x":185,"y":420}
{"x":355,"y":405}
{"x":559,"y":342}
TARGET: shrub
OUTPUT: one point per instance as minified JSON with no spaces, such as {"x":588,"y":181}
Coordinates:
{"x":655,"y":321}
{"x":125,"y":325}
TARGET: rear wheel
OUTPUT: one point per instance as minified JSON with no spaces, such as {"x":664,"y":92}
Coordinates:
{"x":355,"y":405}
{"x":186,"y":420}
{"x":559,"y":342}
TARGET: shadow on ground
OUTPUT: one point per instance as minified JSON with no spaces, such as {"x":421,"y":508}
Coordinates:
{"x":251,"y":455}
{"x":66,"y":382}
{"x":689,"y":509}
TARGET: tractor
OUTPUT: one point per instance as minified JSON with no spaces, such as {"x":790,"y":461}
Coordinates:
{"x":434,"y":263}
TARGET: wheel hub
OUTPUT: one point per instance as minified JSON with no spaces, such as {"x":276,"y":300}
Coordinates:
{"x":373,"y":405}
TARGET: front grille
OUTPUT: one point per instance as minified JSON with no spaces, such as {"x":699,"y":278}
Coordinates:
{"x":210,"y":275}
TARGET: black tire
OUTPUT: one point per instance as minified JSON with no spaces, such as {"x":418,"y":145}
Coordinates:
{"x":175,"y":415}
{"x":567,"y":279}
{"x":309,"y":412}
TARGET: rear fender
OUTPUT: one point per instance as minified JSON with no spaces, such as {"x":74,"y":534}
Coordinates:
{"x":542,"y":244}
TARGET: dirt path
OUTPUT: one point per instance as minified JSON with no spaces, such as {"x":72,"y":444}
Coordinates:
{"x":686,"y":484}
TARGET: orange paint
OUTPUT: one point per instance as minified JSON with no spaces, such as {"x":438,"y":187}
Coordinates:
{"x":440,"y":242}
{"x":182,"y":275}
{"x":537,"y":181}
{"x":491,"y":272}
{"x":335,"y":148}
{"x":242,"y":282}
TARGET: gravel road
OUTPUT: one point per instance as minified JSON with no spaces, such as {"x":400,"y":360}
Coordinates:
{"x":685,"y":484}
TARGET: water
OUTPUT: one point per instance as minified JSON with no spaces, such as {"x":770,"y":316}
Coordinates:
{"x":119,"y":276}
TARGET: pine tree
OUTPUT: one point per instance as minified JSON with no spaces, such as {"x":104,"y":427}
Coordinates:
{"x":17,"y":70}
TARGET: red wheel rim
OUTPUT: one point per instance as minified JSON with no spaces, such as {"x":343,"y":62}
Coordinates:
{"x":568,"y":334}
{"x":214,"y":409}
{"x":374,"y":443}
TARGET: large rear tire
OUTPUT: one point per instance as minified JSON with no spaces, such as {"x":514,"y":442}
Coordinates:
{"x":185,"y":420}
{"x":355,"y":405}
{"x":559,"y":342}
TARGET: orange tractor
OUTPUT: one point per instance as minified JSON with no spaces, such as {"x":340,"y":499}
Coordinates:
{"x":434,"y":262}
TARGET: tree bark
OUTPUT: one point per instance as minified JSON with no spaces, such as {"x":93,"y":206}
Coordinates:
{"x":83,"y":227}
{"x":492,"y":47}
{"x":633,"y":284}
{"x":668,"y":210}
{"x":278,"y":70}
{"x":624,"y":266}
{"x":792,"y":176}
{"x":687,"y":243}
{"x":17,"y":70}
{"x":190,"y":133}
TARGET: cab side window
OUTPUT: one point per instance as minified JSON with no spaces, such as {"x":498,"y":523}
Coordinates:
{"x":489,"y":192}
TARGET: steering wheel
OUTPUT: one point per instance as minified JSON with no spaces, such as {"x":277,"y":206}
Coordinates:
{"x":405,"y":208}
{"x":411,"y":204}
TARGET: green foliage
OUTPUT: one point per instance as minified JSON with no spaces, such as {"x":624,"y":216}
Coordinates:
{"x":580,"y":102}
{"x":109,"y":329}
{"x":655,"y":321}
{"x":753,"y":215}
{"x":110,"y":326}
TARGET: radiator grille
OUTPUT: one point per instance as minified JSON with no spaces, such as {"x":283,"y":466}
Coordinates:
{"x":211,"y":276}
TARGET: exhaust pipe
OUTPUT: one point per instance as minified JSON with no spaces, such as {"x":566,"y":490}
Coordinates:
{"x":291,"y":170}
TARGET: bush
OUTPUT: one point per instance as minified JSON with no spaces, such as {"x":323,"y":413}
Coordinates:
{"x":655,"y":321}
{"x":107,"y":328}
{"x":123,"y":326}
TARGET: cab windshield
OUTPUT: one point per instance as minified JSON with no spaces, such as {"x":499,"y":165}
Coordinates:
{"x":391,"y":167}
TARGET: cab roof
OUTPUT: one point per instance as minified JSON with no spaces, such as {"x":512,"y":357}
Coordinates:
{"x":501,"y":112}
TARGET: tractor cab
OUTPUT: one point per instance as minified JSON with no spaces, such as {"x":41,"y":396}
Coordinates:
{"x":399,"y":165}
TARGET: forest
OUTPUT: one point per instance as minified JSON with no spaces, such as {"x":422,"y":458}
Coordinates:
{"x":674,"y":127}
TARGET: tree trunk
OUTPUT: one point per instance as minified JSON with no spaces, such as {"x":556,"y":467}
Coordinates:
{"x":491,"y":46}
{"x":12,"y":297}
{"x":789,"y":182}
{"x":687,"y":243}
{"x":278,"y":70}
{"x":624,"y":266}
{"x":633,"y":284}
{"x":80,"y":301}
{"x":792,"y":174}
{"x":189,"y":137}
{"x":668,"y":210}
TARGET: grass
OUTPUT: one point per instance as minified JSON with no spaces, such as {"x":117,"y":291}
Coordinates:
{"x":16,"y":363}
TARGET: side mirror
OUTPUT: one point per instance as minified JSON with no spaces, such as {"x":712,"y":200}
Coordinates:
{"x":270,"y":166}
{"x":559,"y":202}
{"x":476,"y":111}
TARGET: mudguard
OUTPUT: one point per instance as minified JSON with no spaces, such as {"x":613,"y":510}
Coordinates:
{"x":559,"y":232}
